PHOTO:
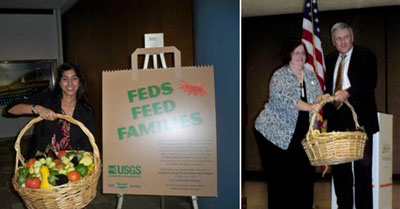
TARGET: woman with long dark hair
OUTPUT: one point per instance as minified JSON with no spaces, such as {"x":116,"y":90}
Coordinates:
{"x":69,"y":97}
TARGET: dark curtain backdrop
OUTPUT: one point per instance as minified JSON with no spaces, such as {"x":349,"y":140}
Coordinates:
{"x":262,"y":38}
{"x":101,"y":35}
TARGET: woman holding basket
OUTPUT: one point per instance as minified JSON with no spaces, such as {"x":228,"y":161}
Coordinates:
{"x":69,"y":97}
{"x":294,"y":93}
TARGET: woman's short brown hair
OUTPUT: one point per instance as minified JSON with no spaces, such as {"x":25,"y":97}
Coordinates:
{"x":289,"y":47}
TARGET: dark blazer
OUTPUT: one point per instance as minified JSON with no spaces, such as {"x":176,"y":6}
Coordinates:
{"x":362,"y":74}
{"x":44,"y":130}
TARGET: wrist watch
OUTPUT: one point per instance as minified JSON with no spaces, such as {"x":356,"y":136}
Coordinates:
{"x":33,"y":109}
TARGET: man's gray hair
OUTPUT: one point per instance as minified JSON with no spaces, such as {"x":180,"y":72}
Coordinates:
{"x":339,"y":26}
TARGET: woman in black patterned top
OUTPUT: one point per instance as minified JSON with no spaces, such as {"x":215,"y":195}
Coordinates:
{"x":294,"y":94}
{"x":69,"y":97}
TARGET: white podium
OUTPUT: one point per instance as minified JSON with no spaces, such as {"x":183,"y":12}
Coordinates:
{"x":382,"y":161}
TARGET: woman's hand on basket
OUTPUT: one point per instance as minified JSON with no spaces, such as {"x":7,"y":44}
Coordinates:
{"x":46,"y":113}
{"x":328,"y":98}
{"x":325,"y":97}
{"x":315,"y":107}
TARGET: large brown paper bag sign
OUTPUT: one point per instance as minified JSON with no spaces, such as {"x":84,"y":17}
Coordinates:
{"x":159,"y":129}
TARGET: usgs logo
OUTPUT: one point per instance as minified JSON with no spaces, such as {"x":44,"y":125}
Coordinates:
{"x":124,"y":170}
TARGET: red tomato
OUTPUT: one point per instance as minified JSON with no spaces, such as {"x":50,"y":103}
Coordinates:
{"x":57,"y":161}
{"x":60,"y":165}
{"x":74,"y":176}
{"x":30,"y":163}
{"x":61,"y":153}
{"x":33,"y":182}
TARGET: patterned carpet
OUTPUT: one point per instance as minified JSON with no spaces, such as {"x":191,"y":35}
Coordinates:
{"x":11,"y":200}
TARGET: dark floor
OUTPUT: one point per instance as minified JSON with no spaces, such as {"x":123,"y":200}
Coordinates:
{"x":255,"y":191}
{"x":11,"y":199}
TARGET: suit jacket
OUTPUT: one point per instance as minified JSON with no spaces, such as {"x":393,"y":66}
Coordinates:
{"x":362,"y":74}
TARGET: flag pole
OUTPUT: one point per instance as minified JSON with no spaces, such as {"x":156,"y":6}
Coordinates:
{"x":313,"y":37}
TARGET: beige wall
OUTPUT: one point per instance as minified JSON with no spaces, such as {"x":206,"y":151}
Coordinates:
{"x":262,"y":38}
{"x":26,"y":37}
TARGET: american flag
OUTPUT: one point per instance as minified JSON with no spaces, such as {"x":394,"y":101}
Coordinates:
{"x":311,"y":37}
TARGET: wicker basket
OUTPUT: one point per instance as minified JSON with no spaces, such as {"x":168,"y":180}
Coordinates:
{"x":334,"y":147}
{"x":67,"y":196}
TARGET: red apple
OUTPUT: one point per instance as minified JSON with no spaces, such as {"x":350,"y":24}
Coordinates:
{"x":33,"y":182}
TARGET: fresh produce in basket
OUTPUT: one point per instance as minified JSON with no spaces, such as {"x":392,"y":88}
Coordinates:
{"x":60,"y":192}
{"x":46,"y":172}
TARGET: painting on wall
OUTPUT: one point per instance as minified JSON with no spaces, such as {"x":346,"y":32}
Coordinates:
{"x":23,"y":79}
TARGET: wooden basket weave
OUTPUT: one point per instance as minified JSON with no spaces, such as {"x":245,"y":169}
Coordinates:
{"x":334,"y":147}
{"x":72,"y":195}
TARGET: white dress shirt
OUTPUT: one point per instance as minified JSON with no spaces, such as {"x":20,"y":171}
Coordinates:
{"x":345,"y":82}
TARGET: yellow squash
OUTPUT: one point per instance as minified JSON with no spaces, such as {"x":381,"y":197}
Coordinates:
{"x":44,"y":171}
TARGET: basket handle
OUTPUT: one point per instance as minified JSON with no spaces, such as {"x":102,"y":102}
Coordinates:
{"x":322,"y":103}
{"x":19,"y":157}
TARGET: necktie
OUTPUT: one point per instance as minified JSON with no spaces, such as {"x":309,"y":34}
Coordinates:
{"x":339,"y":80}
{"x":339,"y":76}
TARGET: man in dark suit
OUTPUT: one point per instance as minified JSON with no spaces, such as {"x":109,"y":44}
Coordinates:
{"x":351,"y":74}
